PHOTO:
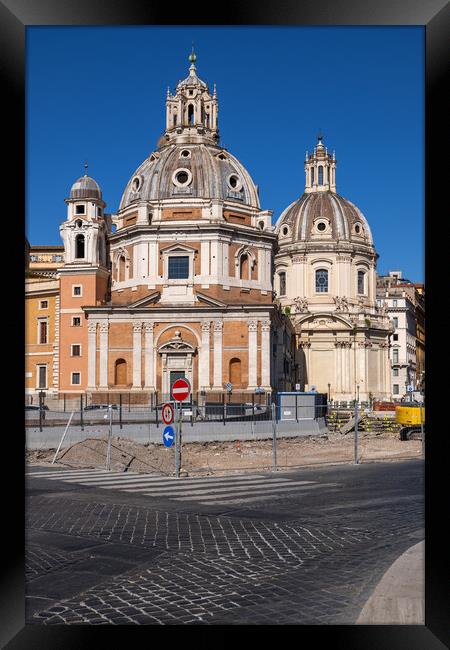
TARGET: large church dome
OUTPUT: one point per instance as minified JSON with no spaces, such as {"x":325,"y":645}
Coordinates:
{"x":194,"y":170}
{"x":323,"y":215}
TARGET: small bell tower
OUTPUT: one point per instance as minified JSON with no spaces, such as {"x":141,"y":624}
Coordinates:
{"x":84,"y":277}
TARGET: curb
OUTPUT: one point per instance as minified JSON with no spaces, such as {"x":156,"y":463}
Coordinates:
{"x":399,"y":597}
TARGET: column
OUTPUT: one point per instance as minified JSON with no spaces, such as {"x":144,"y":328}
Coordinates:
{"x":337,"y":368}
{"x":203,"y":375}
{"x":252,"y":352}
{"x":92,"y":353}
{"x":218,"y":332}
{"x":265,"y":353}
{"x":137,"y":352}
{"x":149,"y":357}
{"x":104,"y":327}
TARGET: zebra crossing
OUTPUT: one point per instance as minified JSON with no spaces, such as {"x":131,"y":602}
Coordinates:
{"x":219,"y":490}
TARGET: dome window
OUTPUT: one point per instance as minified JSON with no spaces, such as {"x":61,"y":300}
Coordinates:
{"x":285,"y":231}
{"x":234,"y":182}
{"x":321,"y":226}
{"x":221,"y":156}
{"x":182,"y":177}
{"x":136,"y":184}
{"x":185,"y":153}
{"x":361,"y":282}
{"x":320,"y":170}
{"x":261,"y":225}
{"x":358,"y":229}
{"x":78,"y":223}
{"x":80,"y":209}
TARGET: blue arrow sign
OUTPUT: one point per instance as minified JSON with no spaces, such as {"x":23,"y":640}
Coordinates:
{"x":168,"y":436}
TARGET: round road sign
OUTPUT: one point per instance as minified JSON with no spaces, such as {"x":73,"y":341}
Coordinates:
{"x":168,"y":436}
{"x":181,"y":389}
{"x":167,"y":413}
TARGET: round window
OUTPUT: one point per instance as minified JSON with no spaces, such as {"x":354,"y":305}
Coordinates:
{"x":261,"y":225}
{"x":321,"y":226}
{"x":185,"y":153}
{"x":285,"y":230}
{"x":181,"y":177}
{"x":136,"y":184}
{"x":357,"y":229}
{"x":234,"y":182}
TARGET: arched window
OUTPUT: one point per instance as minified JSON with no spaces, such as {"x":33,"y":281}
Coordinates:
{"x":361,"y":282}
{"x":121,"y":269}
{"x":174,"y":119}
{"x":243,"y":267}
{"x":79,"y":246}
{"x":235,"y":373}
{"x":312,"y":175}
{"x":120,"y":372}
{"x":320,"y":170}
{"x":190,"y":114}
{"x":321,"y":281}
{"x":282,"y":277}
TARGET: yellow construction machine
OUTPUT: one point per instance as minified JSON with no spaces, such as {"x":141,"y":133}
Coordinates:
{"x":409,"y":416}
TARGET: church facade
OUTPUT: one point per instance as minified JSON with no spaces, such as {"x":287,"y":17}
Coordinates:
{"x":189,"y":278}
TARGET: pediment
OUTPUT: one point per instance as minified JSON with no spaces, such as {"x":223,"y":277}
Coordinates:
{"x":323,"y":320}
{"x":147,"y":300}
{"x":178,"y":248}
{"x":176,"y":345}
{"x":214,"y":302}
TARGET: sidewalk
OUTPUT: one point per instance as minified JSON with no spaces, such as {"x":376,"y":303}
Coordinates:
{"x":399,"y":597}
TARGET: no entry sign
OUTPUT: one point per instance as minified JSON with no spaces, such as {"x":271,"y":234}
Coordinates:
{"x":167,"y":413}
{"x":181,"y":389}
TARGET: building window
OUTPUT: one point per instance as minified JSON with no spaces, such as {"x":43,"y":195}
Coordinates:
{"x":42,"y":376}
{"x":312,"y":175}
{"x":80,"y":209}
{"x":43,"y":331}
{"x":395,"y":337}
{"x":76,"y":321}
{"x":99,"y":212}
{"x":394,"y":303}
{"x":178,"y":268}
{"x":395,"y":355}
{"x":395,"y":372}
{"x":235,"y":372}
{"x":43,"y":304}
{"x":321,"y":281}
{"x":190,"y":114}
{"x":395,"y":389}
{"x":320,"y":172}
{"x":75,"y":378}
{"x":361,"y":282}
{"x":76,"y":350}
{"x":395,"y":321}
{"x":282,"y":277}
{"x":76,"y":290}
{"x":79,"y":246}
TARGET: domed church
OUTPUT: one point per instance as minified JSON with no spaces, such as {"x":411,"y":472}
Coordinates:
{"x":179,"y":281}
{"x":325,"y":279}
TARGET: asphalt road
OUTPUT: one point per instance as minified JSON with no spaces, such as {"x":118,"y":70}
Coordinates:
{"x":299,"y":547}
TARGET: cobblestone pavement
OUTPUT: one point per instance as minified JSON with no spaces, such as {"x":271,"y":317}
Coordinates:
{"x":173,"y":567}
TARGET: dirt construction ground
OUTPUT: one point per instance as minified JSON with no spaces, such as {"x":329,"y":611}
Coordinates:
{"x":220,"y":458}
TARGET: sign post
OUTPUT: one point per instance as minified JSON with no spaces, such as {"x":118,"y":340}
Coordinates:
{"x":180,"y":390}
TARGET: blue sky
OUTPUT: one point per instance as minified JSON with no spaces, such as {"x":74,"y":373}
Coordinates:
{"x":98,"y":94}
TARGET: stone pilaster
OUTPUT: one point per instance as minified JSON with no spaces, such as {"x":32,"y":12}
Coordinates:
{"x":149,"y":357}
{"x":137,"y":355}
{"x":252,"y":353}
{"x":218,"y":334}
{"x":203,"y":379}
{"x":92,"y":354}
{"x":104,"y":327}
{"x":265,"y":354}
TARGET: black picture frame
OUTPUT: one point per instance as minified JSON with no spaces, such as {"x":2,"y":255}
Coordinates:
{"x":15,"y":17}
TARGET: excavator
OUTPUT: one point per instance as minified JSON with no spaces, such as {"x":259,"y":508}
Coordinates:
{"x":409,"y":415}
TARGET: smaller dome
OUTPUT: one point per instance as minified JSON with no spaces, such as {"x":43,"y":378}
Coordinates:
{"x":85,"y":188}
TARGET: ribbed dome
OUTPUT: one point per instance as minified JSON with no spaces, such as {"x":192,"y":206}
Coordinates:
{"x":85,"y":188}
{"x":323,"y":215}
{"x":194,"y":170}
